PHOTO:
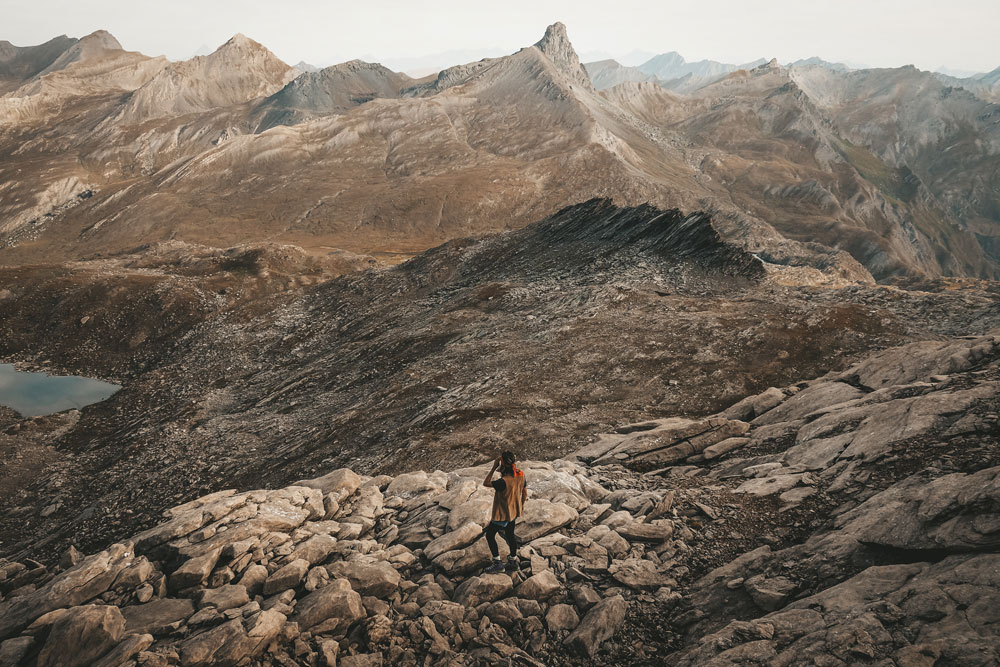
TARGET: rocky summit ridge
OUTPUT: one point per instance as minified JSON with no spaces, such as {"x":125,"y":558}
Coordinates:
{"x":841,"y":520}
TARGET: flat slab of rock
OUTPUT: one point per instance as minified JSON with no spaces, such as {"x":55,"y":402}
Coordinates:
{"x":85,"y":581}
{"x":484,"y":588}
{"x":158,"y":616}
{"x":456,"y":539}
{"x":379,"y":579}
{"x":335,"y":605}
{"x":287,"y":577}
{"x":81,"y":635}
{"x":600,"y":624}
{"x":671,"y":441}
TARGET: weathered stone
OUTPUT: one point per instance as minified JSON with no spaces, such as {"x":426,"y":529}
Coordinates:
{"x":766,"y":486}
{"x":85,"y":581}
{"x":540,"y":586}
{"x":194,"y":571}
{"x":14,"y":650}
{"x":457,"y":539}
{"x":561,"y":617}
{"x":474,"y":510}
{"x":334,"y":602}
{"x":599,"y":625}
{"x":232,"y":642}
{"x":82,"y":635}
{"x":724,"y":447}
{"x":944,"y":513}
{"x":646,"y":532}
{"x":504,"y":613}
{"x":473,"y":557}
{"x":253,"y":579}
{"x":125,"y":651}
{"x":287,"y":577}
{"x":341,"y":483}
{"x":483,"y":588}
{"x":637,"y":573}
{"x":672,"y":440}
{"x":314,"y":550}
{"x":542,"y":517}
{"x":224,"y":597}
{"x":409,"y":485}
{"x":820,"y":395}
{"x":769,"y":593}
{"x":158,"y":616}
{"x":754,"y":406}
{"x":378,"y":579}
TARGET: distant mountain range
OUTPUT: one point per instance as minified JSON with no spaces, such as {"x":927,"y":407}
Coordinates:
{"x":852,"y":173}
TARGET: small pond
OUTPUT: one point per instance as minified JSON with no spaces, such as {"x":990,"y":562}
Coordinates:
{"x":35,"y":394}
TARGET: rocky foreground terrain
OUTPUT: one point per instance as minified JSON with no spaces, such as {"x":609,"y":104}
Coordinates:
{"x":850,"y":519}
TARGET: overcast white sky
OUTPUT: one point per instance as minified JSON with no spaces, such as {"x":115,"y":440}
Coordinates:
{"x":958,"y":34}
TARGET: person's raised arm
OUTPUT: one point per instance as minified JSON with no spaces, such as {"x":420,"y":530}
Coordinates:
{"x":488,"y":482}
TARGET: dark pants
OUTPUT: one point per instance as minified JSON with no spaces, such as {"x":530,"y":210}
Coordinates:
{"x":506,"y":528}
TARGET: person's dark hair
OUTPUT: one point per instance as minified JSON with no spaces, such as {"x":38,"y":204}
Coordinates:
{"x":507,"y":458}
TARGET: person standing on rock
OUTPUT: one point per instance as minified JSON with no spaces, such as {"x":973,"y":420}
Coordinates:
{"x":509,"y":496}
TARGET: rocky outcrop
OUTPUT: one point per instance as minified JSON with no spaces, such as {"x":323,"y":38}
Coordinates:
{"x":847,"y":519}
{"x":350,"y":566}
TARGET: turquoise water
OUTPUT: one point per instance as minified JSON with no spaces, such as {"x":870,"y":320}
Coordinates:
{"x":34,"y":394}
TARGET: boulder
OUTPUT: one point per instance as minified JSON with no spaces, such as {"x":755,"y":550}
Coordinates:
{"x":194,"y":571}
{"x":769,"y":593}
{"x":410,"y":485}
{"x":672,"y":440}
{"x":600,"y":624}
{"x":85,"y":581}
{"x":314,"y":550}
{"x":484,"y":588}
{"x":232,"y":642}
{"x":542,"y":517}
{"x":561,"y":617}
{"x":540,"y":586}
{"x":378,"y":579}
{"x":462,"y":561}
{"x":336,"y":602}
{"x":637,"y":573}
{"x":456,"y":539}
{"x":157,"y":617}
{"x":754,"y":406}
{"x":223,"y":597}
{"x":635,"y":531}
{"x":14,"y":650}
{"x":287,"y":577}
{"x":253,"y":578}
{"x":125,"y":651}
{"x":341,"y":483}
{"x":81,"y":636}
{"x":474,"y":510}
{"x":504,"y":613}
{"x":724,"y":447}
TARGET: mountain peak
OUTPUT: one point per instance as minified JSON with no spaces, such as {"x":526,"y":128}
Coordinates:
{"x":556,"y":46}
{"x":102,"y":37}
{"x":240,"y":41}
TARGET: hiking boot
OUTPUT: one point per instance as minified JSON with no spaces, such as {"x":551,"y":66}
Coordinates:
{"x":513,"y":565}
{"x":497,"y":566}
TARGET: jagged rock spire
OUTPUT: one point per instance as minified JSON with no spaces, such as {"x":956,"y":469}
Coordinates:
{"x":557,"y":48}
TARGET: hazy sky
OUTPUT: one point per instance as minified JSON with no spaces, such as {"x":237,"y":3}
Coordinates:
{"x":959,"y":34}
